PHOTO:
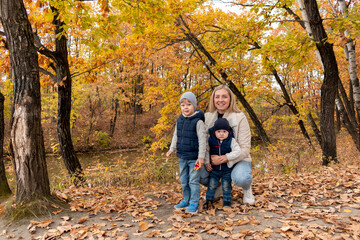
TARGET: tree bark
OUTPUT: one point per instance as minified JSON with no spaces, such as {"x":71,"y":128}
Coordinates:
{"x":71,"y":161}
{"x":349,"y":126}
{"x":350,"y":48}
{"x":330,"y":83}
{"x":4,"y":186}
{"x":26,"y":133}
{"x":314,"y":127}
{"x":115,"y":106}
{"x":64,"y":82}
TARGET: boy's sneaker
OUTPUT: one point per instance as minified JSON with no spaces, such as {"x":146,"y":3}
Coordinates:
{"x":208,"y":205}
{"x":192,"y":208}
{"x":226,"y":204}
{"x":181,"y":205}
{"x":248,"y":197}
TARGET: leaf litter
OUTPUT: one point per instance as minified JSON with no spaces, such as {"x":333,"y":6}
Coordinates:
{"x":319,"y":205}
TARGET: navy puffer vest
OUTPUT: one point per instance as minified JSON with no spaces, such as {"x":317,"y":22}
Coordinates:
{"x":187,"y":146}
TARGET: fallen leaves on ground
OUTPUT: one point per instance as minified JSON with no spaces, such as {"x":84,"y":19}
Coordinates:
{"x":317,"y":205}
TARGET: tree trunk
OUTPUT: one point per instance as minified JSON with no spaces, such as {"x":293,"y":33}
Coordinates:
{"x":338,"y":120}
{"x":314,"y":128}
{"x":115,"y":106}
{"x":349,"y":113}
{"x":71,"y":161}
{"x":330,"y":83}
{"x":26,"y":133}
{"x":4,"y":186}
{"x":350,"y":48}
{"x":64,"y":82}
{"x":349,"y":126}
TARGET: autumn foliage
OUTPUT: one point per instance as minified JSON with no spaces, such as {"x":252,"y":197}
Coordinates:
{"x":131,"y":60}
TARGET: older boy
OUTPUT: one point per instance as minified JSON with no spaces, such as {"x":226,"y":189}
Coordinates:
{"x":189,"y":141}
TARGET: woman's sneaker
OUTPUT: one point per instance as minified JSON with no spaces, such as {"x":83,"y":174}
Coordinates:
{"x":181,"y":205}
{"x":248,"y":197}
{"x":192,"y":208}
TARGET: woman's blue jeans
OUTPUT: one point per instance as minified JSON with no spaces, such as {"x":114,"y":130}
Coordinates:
{"x":240,"y":175}
{"x":190,"y":181}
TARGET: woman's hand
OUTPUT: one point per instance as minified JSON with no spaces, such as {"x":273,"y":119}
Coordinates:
{"x":217,"y":160}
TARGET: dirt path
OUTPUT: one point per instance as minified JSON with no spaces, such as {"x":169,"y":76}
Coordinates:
{"x":303,"y":206}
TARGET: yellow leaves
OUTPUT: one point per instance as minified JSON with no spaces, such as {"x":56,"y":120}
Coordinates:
{"x":143,"y":226}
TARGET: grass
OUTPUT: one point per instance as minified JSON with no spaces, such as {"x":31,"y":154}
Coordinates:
{"x":36,"y":208}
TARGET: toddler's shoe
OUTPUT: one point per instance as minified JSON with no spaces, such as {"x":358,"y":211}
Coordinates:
{"x":226,"y":204}
{"x":192,"y":208}
{"x":181,"y":205}
{"x":208,"y":205}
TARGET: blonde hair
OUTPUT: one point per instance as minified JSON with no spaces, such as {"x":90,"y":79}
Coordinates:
{"x":232,"y":107}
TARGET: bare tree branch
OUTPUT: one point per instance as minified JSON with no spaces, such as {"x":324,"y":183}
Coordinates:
{"x":45,"y":72}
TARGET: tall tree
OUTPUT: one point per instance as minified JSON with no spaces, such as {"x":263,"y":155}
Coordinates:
{"x":26,"y":132}
{"x":330,"y":82}
{"x":343,"y":104}
{"x":64,"y":82}
{"x":4,"y":186}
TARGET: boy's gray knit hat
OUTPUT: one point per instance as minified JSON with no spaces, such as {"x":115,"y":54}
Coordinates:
{"x":189,"y":96}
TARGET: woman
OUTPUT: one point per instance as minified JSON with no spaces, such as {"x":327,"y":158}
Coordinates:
{"x":222,"y":104}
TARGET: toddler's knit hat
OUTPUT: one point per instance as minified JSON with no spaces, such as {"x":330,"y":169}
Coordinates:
{"x":222,"y":124}
{"x":189,"y":96}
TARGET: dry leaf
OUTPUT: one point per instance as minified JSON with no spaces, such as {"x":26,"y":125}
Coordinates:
{"x":123,"y":236}
{"x":143,"y":226}
{"x":154,"y":233}
{"x":84,"y":219}
{"x":66,"y":218}
{"x":57,"y":212}
{"x":223,"y":234}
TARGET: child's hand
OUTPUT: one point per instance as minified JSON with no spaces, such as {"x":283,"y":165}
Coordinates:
{"x":200,"y":161}
{"x":208,"y":167}
{"x":168,"y":154}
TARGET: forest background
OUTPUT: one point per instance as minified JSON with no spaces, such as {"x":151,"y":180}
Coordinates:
{"x":123,"y":65}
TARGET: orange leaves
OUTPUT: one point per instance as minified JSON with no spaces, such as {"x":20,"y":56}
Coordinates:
{"x":84,"y":219}
{"x":35,"y":224}
{"x":283,"y":209}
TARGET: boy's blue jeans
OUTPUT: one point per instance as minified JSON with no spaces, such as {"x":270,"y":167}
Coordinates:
{"x":214,"y":178}
{"x":190,"y":181}
{"x":240,"y":175}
